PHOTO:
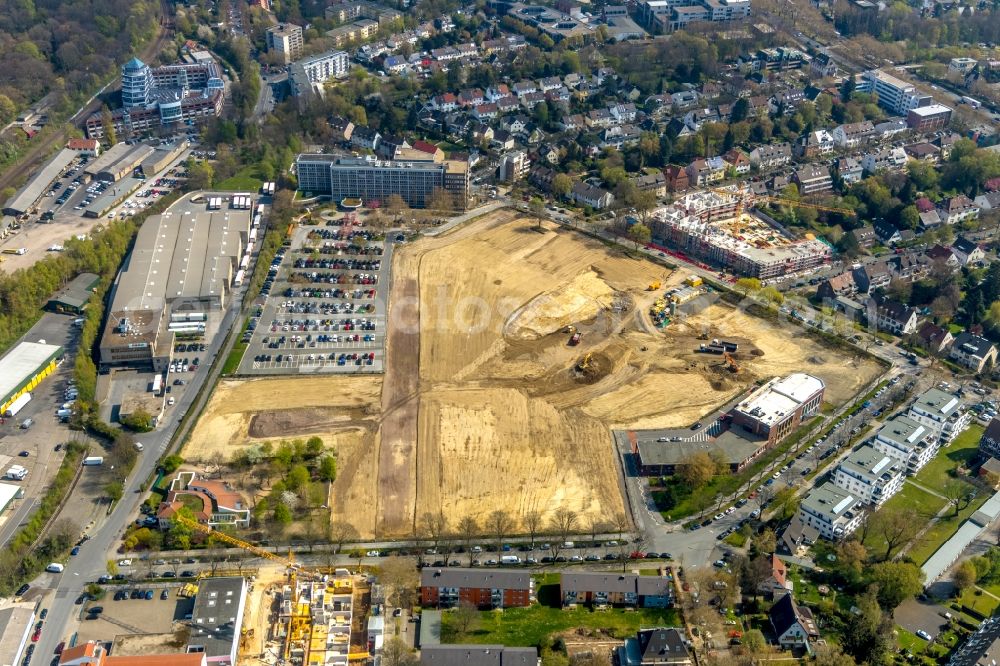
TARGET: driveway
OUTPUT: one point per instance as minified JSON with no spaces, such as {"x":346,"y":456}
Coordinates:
{"x":914,"y":615}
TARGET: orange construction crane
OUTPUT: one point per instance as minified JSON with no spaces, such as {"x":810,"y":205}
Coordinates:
{"x":746,"y":199}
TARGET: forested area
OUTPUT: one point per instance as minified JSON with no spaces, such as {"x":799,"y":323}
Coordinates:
{"x":66,"y":48}
{"x":900,"y":22}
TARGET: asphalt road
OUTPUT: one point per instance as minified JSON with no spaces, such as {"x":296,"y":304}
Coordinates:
{"x":95,"y":553}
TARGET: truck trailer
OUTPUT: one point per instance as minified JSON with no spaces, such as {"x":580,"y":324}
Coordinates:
{"x":17,"y":405}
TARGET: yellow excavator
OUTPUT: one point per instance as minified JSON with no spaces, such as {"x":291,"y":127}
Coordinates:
{"x":584,"y":363}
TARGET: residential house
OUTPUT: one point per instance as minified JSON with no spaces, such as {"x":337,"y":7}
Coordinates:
{"x":549,"y":83}
{"x":541,"y":177}
{"x":365,"y":138}
{"x":341,"y":128}
{"x":483,"y":588}
{"x":934,"y":338}
{"x":694,"y":119}
{"x":677,"y":178}
{"x":471,"y":97}
{"x":891,"y":316}
{"x":485,"y":111}
{"x":871,"y":277}
{"x":684,"y":99}
{"x":598,"y":118}
{"x":988,"y":200}
{"x":660,"y":646}
{"x":532,"y":99}
{"x":614,"y":589}
{"x":389,"y":146}
{"x":212,"y":502}
{"x":838,"y":285}
{"x":852,"y":135}
{"x":989,"y":443}
{"x":573,"y":122}
{"x":771,"y":156}
{"x":967,"y":251}
{"x":585,"y":194}
{"x":620,"y":136}
{"x":651,"y":182}
{"x":444,"y":102}
{"x":522,"y":88}
{"x":887,"y":129}
{"x":495,"y":92}
{"x":958,"y":209}
{"x":890,"y":159}
{"x":973,"y":351}
{"x":623,"y":113}
{"x":886,"y":231}
{"x":849,"y":169}
{"x":429,"y":149}
{"x":864,"y":236}
{"x":944,"y":255}
{"x":737,"y":160}
{"x":815,"y":144}
{"x":813,"y":178}
{"x":930,"y":220}
{"x":507,"y":104}
{"x":706,"y":171}
{"x":777,"y":582}
{"x":502,"y":140}
{"x":922,"y":152}
{"x":794,"y":625}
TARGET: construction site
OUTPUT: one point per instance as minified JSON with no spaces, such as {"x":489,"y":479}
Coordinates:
{"x":501,"y":388}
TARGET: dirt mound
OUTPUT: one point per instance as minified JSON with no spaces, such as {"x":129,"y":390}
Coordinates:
{"x":818,"y":360}
{"x":291,"y":422}
{"x":583,"y":298}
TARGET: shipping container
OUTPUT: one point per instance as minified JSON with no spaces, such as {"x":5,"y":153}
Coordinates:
{"x":17,"y":405}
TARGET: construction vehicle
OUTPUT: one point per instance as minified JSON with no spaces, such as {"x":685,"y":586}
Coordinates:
{"x":653,"y":286}
{"x":746,"y":199}
{"x":731,"y":364}
{"x":575,"y":339}
{"x":584,"y":363}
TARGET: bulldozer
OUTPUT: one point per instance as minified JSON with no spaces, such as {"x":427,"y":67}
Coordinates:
{"x":584,"y":363}
{"x":731,"y":364}
{"x":653,"y":286}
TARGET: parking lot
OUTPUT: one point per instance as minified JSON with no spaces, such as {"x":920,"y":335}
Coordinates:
{"x":325,"y":303}
{"x":144,"y":611}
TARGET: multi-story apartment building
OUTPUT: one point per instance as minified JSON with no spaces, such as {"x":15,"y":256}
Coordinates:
{"x":894,"y":95}
{"x":908,"y":441}
{"x":890,"y":159}
{"x":309,"y":74}
{"x":813,"y":178}
{"x":772,"y":155}
{"x":832,"y":511}
{"x":371,"y":179}
{"x":668,"y":15}
{"x":483,"y":588}
{"x":941,"y":412}
{"x":611,"y":589}
{"x":870,"y":475}
{"x":286,"y":39}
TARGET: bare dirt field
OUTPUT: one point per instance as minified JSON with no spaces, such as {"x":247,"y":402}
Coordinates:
{"x":38,"y":238}
{"x":485,"y":403}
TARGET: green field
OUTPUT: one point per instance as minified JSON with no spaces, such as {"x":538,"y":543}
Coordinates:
{"x":527,"y":627}
{"x":239,"y":183}
{"x":962,"y":450}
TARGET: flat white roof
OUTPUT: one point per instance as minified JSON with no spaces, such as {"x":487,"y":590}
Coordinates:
{"x":798,"y":386}
{"x":780,"y":397}
{"x":7,"y":492}
{"x":21,"y":362}
{"x":930,"y":110}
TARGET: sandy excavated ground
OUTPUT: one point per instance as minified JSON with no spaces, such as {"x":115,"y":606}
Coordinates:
{"x":483,"y":405}
{"x":38,"y":238}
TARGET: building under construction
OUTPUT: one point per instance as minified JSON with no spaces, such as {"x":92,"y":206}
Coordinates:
{"x":712,"y":226}
{"x":314,"y":621}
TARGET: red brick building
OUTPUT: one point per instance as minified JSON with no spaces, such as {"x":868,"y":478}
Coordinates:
{"x":484,"y":588}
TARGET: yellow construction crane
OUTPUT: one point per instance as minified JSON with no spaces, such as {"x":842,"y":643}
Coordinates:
{"x":745,"y":199}
{"x":233,"y":541}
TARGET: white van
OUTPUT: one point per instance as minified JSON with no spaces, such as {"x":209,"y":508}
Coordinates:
{"x":55,"y":567}
{"x":138,"y":446}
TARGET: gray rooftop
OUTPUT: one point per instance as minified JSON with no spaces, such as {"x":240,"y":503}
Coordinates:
{"x":478,"y":655}
{"x":937,"y":402}
{"x":107,"y":158}
{"x":734,"y":446}
{"x":217,"y":615}
{"x":507,"y":579}
{"x":829,"y":500}
{"x":40,"y":183}
{"x":15,"y":625}
{"x":78,"y":291}
{"x":867,"y":462}
{"x":903,"y":432}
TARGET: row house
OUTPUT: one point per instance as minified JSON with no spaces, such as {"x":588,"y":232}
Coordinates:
{"x":611,"y":589}
{"x":771,"y":156}
{"x":507,"y":104}
{"x":542,"y":177}
{"x":482,"y":588}
{"x":891,"y":159}
{"x":445,"y":54}
{"x":853,"y":135}
{"x":706,"y":171}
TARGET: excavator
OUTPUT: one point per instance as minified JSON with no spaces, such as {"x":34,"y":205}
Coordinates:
{"x":584,"y":363}
{"x":300,"y":621}
{"x":731,"y":363}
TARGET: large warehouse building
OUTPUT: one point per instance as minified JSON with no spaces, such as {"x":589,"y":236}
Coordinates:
{"x":23,"y":368}
{"x":40,"y":183}
{"x":180,"y":268}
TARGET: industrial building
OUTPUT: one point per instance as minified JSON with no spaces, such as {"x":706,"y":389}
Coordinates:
{"x":166,"y":96}
{"x":777,"y":408}
{"x":217,"y":619}
{"x":113,"y":196}
{"x":24,"y":367}
{"x":180,"y":268}
{"x":371,"y":179}
{"x":16,"y":622}
{"x":74,"y":297}
{"x":40,"y":183}
{"x":118,"y":161}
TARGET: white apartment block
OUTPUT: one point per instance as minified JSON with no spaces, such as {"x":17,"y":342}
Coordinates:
{"x":942,"y":412}
{"x":833,"y":511}
{"x":895,"y":95}
{"x":870,"y":475}
{"x":908,"y":441}
{"x":286,"y":39}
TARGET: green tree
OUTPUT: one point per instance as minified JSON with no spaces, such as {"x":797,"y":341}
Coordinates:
{"x":896,"y":581}
{"x":282,"y":514}
{"x":639,"y":234}
{"x":697,"y":470}
{"x":114,"y":490}
{"x":138,"y":421}
{"x":171,"y":463}
{"x":965,"y":576}
{"x":327,"y":468}
{"x":747,"y":285}
{"x":868,"y":632}
{"x":201,"y":175}
{"x":561,"y":185}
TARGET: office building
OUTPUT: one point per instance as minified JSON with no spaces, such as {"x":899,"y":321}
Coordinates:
{"x":286,"y":39}
{"x":167,"y":96}
{"x":928,"y":118}
{"x":832,"y":511}
{"x":217,"y":619}
{"x":309,"y":74}
{"x":776,"y":409}
{"x":941,"y":412}
{"x":669,"y":15}
{"x":370,"y":179}
{"x":16,"y":622}
{"x":894,"y":95}
{"x":870,"y":475}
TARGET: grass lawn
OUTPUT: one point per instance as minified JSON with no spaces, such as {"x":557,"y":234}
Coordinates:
{"x":248,"y":179}
{"x":943,"y":530}
{"x":981,"y":603}
{"x":527,"y":627}
{"x":234,"y":358}
{"x":193,"y":502}
{"x":923,"y":505}
{"x":736,"y":539}
{"x":962,"y":450}
{"x":909,"y":641}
